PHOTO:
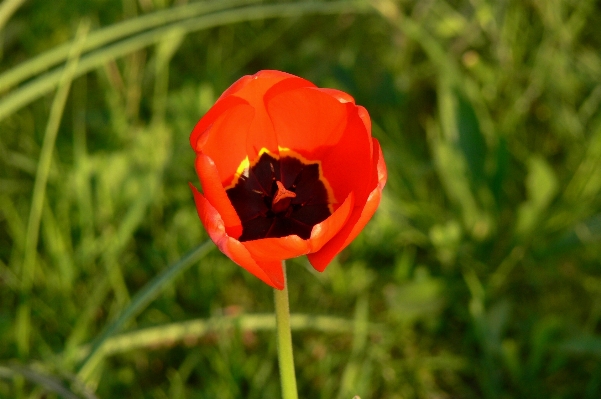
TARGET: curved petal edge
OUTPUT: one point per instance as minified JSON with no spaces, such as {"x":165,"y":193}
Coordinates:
{"x":269,"y":272}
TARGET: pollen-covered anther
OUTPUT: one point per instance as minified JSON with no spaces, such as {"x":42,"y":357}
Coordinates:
{"x":282,"y":198}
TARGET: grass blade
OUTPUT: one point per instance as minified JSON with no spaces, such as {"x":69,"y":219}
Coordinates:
{"x":168,"y":334}
{"x":109,"y":34}
{"x":45,"y":83}
{"x":23,"y":325}
{"x":48,"y":382}
{"x":138,"y":303}
{"x":7,"y":9}
{"x":43,"y":170}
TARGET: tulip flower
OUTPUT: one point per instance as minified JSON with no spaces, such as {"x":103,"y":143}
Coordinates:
{"x":287,"y":169}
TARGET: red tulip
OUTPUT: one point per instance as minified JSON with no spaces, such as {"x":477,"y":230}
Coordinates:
{"x":287,"y":169}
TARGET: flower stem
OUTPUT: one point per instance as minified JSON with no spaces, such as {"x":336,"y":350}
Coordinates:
{"x":285,"y":357}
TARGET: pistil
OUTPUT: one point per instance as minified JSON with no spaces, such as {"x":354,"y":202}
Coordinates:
{"x":282,"y":198}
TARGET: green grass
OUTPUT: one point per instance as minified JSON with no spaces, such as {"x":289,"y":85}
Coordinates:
{"x":479,"y":277}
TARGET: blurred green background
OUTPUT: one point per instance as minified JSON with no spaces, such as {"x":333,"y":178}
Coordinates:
{"x":479,"y":277}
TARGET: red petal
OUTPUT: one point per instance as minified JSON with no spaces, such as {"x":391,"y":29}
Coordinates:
{"x":339,"y":95}
{"x":272,"y":249}
{"x":236,"y":86}
{"x":278,"y":249}
{"x":358,"y":218}
{"x":286,"y":85}
{"x":270,"y":272}
{"x":382,"y":172}
{"x":200,"y":132}
{"x":324,"y":231}
{"x":254,"y":89}
{"x":364,"y":115}
{"x":216,"y":195}
{"x":347,"y":166}
{"x":318,"y":126}
{"x":307,"y":120}
{"x":262,"y":133}
{"x":270,"y":76}
{"x":224,"y":140}
{"x":237,"y":125}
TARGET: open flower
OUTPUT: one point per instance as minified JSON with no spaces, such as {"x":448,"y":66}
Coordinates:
{"x":287,"y":169}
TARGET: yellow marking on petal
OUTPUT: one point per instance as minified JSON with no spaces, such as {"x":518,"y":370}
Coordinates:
{"x":244,"y":166}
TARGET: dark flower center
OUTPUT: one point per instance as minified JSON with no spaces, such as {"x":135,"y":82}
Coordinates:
{"x":279,"y":197}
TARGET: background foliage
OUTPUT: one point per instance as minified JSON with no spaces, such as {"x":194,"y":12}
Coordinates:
{"x":479,"y":276}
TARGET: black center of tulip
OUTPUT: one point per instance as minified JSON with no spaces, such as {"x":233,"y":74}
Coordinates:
{"x":279,"y":197}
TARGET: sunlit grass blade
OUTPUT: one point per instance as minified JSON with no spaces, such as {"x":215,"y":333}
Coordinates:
{"x":69,"y":357}
{"x":23,"y":324}
{"x":138,"y":303}
{"x":165,"y":51}
{"x":43,"y":170}
{"x":59,"y":247}
{"x":172,"y":333}
{"x":419,"y":33}
{"x":7,"y":9}
{"x":48,"y":382}
{"x":352,"y":375}
{"x":103,"y":36}
{"x":45,"y":83}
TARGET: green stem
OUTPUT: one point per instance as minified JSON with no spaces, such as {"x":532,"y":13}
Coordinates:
{"x":285,"y":356}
